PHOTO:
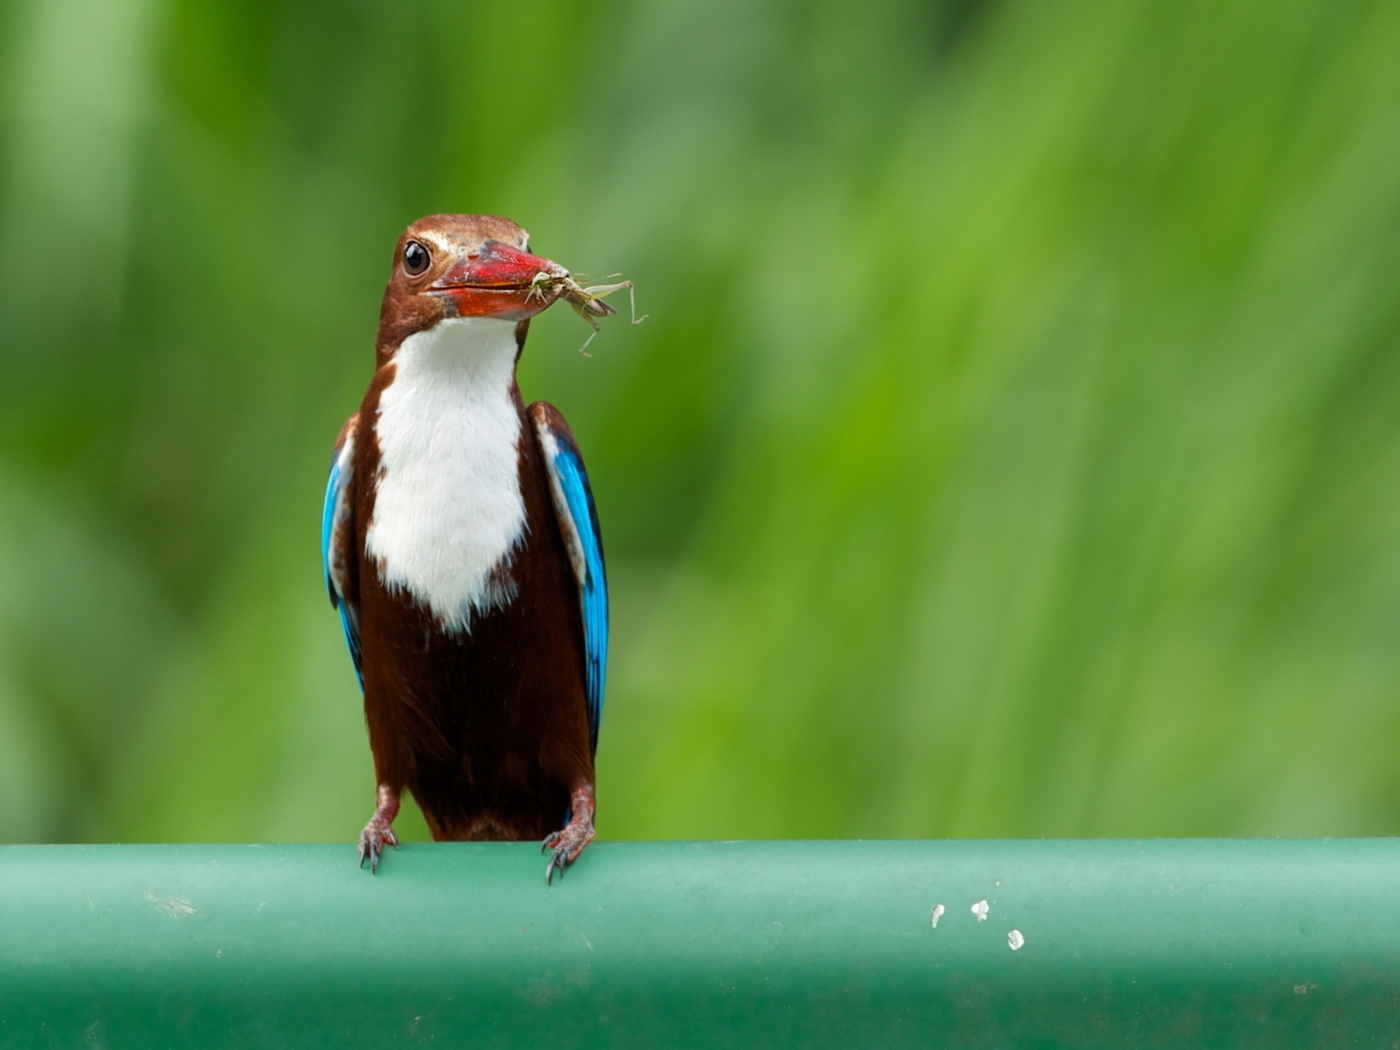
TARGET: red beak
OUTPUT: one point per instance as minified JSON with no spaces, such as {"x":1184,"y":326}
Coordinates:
{"x":497,"y":281}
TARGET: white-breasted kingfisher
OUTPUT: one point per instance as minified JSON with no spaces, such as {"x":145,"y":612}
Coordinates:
{"x":462,"y":550}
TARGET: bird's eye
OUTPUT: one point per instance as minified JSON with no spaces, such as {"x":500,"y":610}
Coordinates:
{"x":415,"y":258}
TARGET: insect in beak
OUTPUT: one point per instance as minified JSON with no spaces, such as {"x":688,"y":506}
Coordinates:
{"x":586,"y":302}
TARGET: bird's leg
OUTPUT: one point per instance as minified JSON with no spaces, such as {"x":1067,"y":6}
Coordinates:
{"x":568,"y":843}
{"x":379,"y":832}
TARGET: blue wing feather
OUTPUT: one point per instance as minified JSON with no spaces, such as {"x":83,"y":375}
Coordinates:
{"x":565,"y":465}
{"x":573,"y":481}
{"x":335,"y":492}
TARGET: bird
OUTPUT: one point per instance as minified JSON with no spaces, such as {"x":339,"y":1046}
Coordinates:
{"x":462,"y":550}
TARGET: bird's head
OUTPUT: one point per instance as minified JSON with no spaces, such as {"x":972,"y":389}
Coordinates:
{"x":462,"y":266}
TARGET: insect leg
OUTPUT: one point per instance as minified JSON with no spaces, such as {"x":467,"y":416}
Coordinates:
{"x":600,"y":290}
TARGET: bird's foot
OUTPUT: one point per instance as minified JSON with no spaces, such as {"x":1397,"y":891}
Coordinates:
{"x":379,"y":832}
{"x":373,"y":839}
{"x":568,"y":842}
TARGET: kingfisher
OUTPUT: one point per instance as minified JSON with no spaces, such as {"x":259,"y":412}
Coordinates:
{"x":461,"y":548}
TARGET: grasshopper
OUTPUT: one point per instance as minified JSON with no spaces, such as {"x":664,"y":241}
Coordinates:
{"x":587,"y":302}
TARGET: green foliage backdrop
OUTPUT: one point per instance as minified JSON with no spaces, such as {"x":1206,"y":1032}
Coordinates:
{"x":1013,"y":448}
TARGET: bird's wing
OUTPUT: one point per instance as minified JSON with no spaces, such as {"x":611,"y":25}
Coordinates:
{"x":578,"y":522}
{"x":338,"y":541}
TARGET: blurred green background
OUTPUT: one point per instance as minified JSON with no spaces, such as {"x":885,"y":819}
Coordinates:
{"x":1013,"y":448}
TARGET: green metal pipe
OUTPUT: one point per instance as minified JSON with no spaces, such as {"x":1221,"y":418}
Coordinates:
{"x":1254,"y":943}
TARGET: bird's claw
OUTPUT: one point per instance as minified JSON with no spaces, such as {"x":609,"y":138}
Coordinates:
{"x":567,"y":844}
{"x":377,"y":834}
{"x":558,"y":862}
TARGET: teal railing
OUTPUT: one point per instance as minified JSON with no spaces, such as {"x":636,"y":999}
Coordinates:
{"x":1214,"y":943}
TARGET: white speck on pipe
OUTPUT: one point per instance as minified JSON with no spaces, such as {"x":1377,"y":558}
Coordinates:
{"x":935,"y":915}
{"x":176,"y":906}
{"x":980,"y":909}
{"x":1015,"y":940}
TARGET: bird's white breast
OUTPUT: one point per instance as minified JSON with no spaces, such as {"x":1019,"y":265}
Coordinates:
{"x":448,"y":512}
